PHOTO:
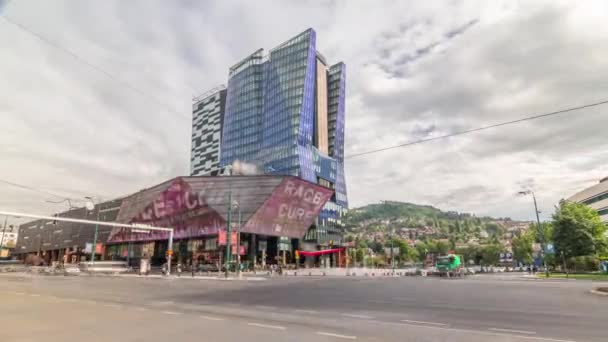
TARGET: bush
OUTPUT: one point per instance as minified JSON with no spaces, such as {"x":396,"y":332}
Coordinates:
{"x":588,"y":263}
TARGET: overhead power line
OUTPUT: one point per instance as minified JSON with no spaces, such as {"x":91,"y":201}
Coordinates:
{"x":25,"y":187}
{"x":91,"y":65}
{"x":533,"y":117}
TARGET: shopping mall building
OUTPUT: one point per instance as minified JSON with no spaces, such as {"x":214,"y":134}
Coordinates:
{"x":281,"y":117}
{"x":271,"y":215}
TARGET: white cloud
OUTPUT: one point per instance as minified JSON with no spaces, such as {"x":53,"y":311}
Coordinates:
{"x":414,"y":70}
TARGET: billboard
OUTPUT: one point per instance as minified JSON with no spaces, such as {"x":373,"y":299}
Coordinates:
{"x":290,"y":209}
{"x":198,"y":206}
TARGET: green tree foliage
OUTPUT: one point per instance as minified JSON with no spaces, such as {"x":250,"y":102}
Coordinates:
{"x":442,"y":248}
{"x":490,"y":254}
{"x":544,"y":234}
{"x":522,"y":247}
{"x":578,"y":230}
{"x":494,"y":230}
{"x":470,"y":253}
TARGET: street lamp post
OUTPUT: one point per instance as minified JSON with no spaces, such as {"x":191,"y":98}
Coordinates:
{"x":228,"y":225}
{"x":238,"y":242}
{"x":3,"y":233}
{"x":91,"y":206}
{"x":392,"y":250}
{"x":543,"y":243}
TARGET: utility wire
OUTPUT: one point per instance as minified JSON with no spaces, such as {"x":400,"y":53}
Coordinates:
{"x":36,"y":190}
{"x":91,"y":65}
{"x":533,"y":117}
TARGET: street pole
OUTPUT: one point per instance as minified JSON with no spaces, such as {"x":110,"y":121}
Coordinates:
{"x":94,"y":249}
{"x":170,"y":252}
{"x":238,"y":245}
{"x":392,"y":251}
{"x":228,"y":228}
{"x":543,"y":242}
{"x":3,"y":233}
{"x":90,"y":205}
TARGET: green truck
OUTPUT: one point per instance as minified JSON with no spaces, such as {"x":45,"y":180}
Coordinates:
{"x":450,"y":266}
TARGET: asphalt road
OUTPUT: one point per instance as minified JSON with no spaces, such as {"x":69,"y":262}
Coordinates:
{"x":482,"y":308}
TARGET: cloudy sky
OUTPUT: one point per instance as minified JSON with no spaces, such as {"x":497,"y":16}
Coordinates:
{"x":95,"y":97}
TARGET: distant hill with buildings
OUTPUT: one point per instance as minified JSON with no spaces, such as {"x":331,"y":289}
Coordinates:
{"x":420,"y":222}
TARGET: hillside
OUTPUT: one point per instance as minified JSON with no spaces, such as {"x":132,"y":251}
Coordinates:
{"x":412,"y":221}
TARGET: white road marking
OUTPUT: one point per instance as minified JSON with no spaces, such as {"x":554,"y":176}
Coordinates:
{"x":34,"y":295}
{"x":20,"y":293}
{"x":357,"y":316}
{"x":423,"y":322}
{"x":212,"y":318}
{"x":112,"y":305}
{"x":337,"y":335}
{"x":142,"y":309}
{"x":306,"y":311}
{"x":277,"y":327}
{"x":167,"y":302}
{"x":514,"y":331}
{"x":171,"y":313}
{"x":266,"y":307}
{"x":481,"y":332}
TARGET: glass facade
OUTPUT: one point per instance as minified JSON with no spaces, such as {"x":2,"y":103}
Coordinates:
{"x":271,"y":118}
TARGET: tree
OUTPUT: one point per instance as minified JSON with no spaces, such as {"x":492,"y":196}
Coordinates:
{"x":490,"y":254}
{"x":494,"y":230}
{"x":376,"y":246}
{"x":578,"y":230}
{"x":544,"y":234}
{"x":522,"y":247}
{"x":469,"y":253}
{"x":442,"y":248}
{"x":421,"y":250}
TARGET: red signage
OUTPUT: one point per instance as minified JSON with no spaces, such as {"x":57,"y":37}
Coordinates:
{"x":221,"y":238}
{"x":242,"y":250}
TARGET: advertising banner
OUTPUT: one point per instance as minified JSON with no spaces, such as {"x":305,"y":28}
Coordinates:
{"x":290,"y":210}
{"x":287,"y":206}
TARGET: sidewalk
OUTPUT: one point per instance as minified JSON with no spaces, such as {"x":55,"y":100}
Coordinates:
{"x":184,"y":276}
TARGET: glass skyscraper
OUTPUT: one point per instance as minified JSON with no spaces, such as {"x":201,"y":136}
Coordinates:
{"x":284,"y":113}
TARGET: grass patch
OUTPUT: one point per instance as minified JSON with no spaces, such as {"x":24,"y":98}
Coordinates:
{"x":587,"y":276}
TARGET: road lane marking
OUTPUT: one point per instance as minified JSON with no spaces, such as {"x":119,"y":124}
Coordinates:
{"x":306,"y":311}
{"x":212,"y":318}
{"x":479,"y":332}
{"x":266,"y":307}
{"x":336,"y":335}
{"x":276,"y":327}
{"x":111,"y":305}
{"x":34,"y":295}
{"x":166,"y":302}
{"x":141,"y":309}
{"x":423,"y":322}
{"x":357,"y":316}
{"x":20,"y":293}
{"x":171,"y":313}
{"x":514,"y":331}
